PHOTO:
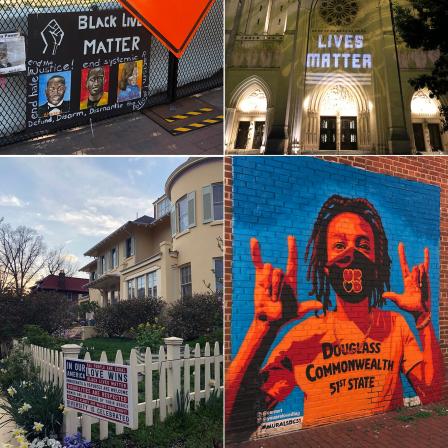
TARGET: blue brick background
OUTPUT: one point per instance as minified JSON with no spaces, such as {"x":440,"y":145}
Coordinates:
{"x":275,"y":197}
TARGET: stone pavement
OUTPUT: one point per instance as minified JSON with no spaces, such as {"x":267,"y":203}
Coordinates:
{"x":421,"y":426}
{"x":132,"y":134}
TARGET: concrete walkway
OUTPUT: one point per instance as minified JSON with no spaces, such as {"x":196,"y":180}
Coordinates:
{"x":6,"y":431}
{"x":131,"y":134}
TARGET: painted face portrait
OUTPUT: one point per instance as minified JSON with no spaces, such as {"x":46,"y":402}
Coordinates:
{"x":95,"y":83}
{"x":54,"y":94}
{"x":129,"y":81}
{"x":55,"y":90}
{"x":94,"y":87}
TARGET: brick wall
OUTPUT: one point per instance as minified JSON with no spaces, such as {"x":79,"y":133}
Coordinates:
{"x":268,"y":192}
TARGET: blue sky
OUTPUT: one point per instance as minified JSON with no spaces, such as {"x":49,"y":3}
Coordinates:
{"x":76,"y":202}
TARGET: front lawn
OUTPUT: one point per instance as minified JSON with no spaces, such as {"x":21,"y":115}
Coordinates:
{"x":110,"y":345}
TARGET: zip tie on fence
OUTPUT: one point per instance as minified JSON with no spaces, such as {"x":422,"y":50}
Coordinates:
{"x":91,"y":127}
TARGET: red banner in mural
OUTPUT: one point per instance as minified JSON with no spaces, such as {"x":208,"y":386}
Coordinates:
{"x":173,"y":22}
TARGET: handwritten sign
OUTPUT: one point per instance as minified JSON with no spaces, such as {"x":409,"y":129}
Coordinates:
{"x":99,"y":389}
{"x":85,"y":64}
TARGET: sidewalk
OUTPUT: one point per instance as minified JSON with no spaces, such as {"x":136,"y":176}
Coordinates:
{"x":132,"y":134}
{"x":419,"y":426}
{"x":5,"y":431}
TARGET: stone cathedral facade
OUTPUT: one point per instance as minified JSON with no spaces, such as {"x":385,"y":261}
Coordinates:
{"x":324,"y":76}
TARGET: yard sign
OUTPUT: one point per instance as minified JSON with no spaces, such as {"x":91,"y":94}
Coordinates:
{"x":173,"y":22}
{"x":99,"y":389}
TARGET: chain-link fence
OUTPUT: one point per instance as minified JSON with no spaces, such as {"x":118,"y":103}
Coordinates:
{"x":199,"y":69}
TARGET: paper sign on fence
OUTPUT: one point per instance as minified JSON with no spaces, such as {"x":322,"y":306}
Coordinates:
{"x":99,"y":389}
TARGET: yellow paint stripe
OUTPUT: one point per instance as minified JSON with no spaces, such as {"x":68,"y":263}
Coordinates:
{"x":197,"y":125}
{"x":168,"y":120}
{"x":179,"y":117}
{"x":182,"y":129}
{"x":220,"y":116}
{"x":206,"y":109}
{"x":194,"y":113}
{"x":211,"y":121}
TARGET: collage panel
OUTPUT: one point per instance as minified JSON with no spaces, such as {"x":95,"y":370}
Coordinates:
{"x":112,"y":331}
{"x":223,"y":223}
{"x":138,"y":80}
{"x":335,"y":77}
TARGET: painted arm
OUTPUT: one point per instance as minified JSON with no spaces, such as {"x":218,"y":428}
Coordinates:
{"x":275,"y":304}
{"x":426,"y":377}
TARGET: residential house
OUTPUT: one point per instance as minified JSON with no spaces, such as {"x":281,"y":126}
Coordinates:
{"x":70,"y":287}
{"x":173,"y":254}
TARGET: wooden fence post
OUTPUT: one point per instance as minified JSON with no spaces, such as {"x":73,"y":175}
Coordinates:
{"x":70,"y":425}
{"x":173,"y":371}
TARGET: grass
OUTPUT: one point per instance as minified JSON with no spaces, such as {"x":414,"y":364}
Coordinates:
{"x":441,"y":411}
{"x":200,"y":428}
{"x":406,"y":415}
{"x":110,"y":345}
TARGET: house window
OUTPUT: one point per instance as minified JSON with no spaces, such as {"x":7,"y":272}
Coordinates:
{"x":92,"y":276}
{"x":103,"y":264}
{"x":114,"y":258}
{"x":185,"y":216}
{"x":152,"y":284}
{"x":185,"y":281}
{"x":129,"y":247}
{"x":218,"y":270}
{"x":162,"y":208}
{"x":182,"y":214}
{"x":212,"y":202}
{"x":131,"y":289}
{"x":218,"y":203}
{"x":141,"y":287}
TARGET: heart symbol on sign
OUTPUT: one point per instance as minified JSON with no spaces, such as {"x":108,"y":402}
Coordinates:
{"x":173,"y":22}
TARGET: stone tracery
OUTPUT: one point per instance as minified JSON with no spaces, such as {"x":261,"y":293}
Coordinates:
{"x":339,"y":12}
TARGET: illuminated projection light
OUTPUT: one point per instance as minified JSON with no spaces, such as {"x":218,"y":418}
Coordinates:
{"x":424,"y":106}
{"x":340,"y":58}
{"x":255,"y":102}
{"x":338,"y":101}
{"x":321,"y":78}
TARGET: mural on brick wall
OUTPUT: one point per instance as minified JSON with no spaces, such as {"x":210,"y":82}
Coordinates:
{"x":335,"y":295}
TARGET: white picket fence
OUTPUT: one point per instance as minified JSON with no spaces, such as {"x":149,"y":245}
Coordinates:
{"x":175,"y":378}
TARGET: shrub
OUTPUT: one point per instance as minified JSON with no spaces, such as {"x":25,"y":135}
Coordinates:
{"x":35,"y":335}
{"x":115,"y":320}
{"x":35,"y":407}
{"x":50,"y":311}
{"x":17,"y":365}
{"x":149,"y":335}
{"x":192,"y":317}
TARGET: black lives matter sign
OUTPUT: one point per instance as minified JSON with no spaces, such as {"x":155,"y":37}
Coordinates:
{"x":85,"y":64}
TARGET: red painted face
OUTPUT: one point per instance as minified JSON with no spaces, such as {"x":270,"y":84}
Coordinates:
{"x":349,"y":230}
